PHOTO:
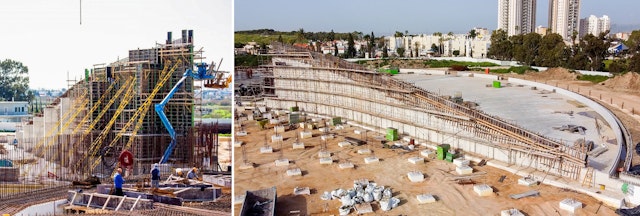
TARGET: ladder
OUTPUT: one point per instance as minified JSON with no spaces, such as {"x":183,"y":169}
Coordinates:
{"x":588,"y":178}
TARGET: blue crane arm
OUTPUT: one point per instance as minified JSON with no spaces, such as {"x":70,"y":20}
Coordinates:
{"x":163,"y":117}
{"x":159,"y":108}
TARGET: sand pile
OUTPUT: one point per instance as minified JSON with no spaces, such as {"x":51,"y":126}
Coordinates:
{"x":553,"y":74}
{"x":628,"y":81}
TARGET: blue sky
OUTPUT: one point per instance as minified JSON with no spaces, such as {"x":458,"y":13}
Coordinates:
{"x":416,"y":16}
{"x":47,"y":36}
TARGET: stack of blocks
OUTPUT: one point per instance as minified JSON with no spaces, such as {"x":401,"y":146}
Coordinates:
{"x":326,"y":160}
{"x":364,"y":151}
{"x":511,"y":212}
{"x":282,"y":162}
{"x":415,"y":176}
{"x":279,"y":129}
{"x":416,"y":160}
{"x":462,"y":166}
{"x":344,"y":144}
{"x":294,"y":172}
{"x":304,"y":135}
{"x":266,"y":150}
{"x":276,"y":138}
{"x":570,"y":205}
{"x":346,"y":165}
{"x":298,"y":145}
{"x":324,"y":153}
{"x":428,"y":154}
{"x":372,"y":159}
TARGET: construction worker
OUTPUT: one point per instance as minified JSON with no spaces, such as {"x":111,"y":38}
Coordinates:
{"x":117,"y":182}
{"x":155,"y":176}
{"x":192,"y":173}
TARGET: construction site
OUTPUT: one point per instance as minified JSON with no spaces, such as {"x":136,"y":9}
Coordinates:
{"x":130,"y":114}
{"x":316,"y":135}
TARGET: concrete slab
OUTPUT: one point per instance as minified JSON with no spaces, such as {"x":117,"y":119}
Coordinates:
{"x":304,"y":135}
{"x":346,"y":165}
{"x":326,"y":137}
{"x":464,"y":170}
{"x":416,"y":160}
{"x":279,"y":129}
{"x":372,"y":159}
{"x":241,"y":133}
{"x":294,"y":172}
{"x":276,"y":138}
{"x":425,"y":198}
{"x":326,"y":160}
{"x":428,"y":154}
{"x":282,"y":162}
{"x":527,"y":182}
{"x":323,"y":154}
{"x":415,"y":176}
{"x":570,"y":205}
{"x":237,"y":144}
{"x":344,"y":144}
{"x":298,"y":145}
{"x":266,"y":149}
{"x":461,"y":162}
{"x":364,"y":151}
{"x":483,"y":190}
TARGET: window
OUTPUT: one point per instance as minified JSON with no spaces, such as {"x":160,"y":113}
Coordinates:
{"x":21,"y":109}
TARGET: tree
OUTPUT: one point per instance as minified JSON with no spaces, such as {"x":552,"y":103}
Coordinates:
{"x":280,"y":39}
{"x":551,"y":51}
{"x":351,"y":49}
{"x":372,"y":42}
{"x":14,"y":81}
{"x":332,"y":35}
{"x":300,"y":37}
{"x":434,"y":48}
{"x":385,"y":53}
{"x":633,"y":42}
{"x":596,"y":50}
{"x":456,"y":53}
{"x":618,"y":66}
{"x":501,"y":47}
{"x":335,"y":49}
{"x":473,"y":34}
{"x":400,"y":51}
{"x":634,"y":63}
{"x":525,"y":47}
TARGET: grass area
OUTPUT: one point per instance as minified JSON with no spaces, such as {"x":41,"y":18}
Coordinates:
{"x":250,"y":60}
{"x":262,"y":39}
{"x":449,"y":63}
{"x":224,"y":135}
{"x":518,"y":70}
{"x":593,"y":78}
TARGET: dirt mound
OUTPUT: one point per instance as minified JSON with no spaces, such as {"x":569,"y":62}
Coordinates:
{"x":553,"y":74}
{"x":628,"y":81}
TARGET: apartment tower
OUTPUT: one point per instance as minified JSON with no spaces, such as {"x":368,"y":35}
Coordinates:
{"x":517,"y":16}
{"x":564,"y":17}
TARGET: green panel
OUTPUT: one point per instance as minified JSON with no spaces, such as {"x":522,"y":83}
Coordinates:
{"x":294,"y":118}
{"x":336,"y":121}
{"x":294,"y":109}
{"x":497,"y":84}
{"x":449,"y":157}
{"x":625,"y":188}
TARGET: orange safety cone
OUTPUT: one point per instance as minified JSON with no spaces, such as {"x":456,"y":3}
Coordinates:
{"x":486,"y":70}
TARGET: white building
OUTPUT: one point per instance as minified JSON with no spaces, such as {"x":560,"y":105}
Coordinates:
{"x":594,"y":25}
{"x":517,"y":16}
{"x":11,"y":114}
{"x":476,"y":48}
{"x":564,"y":17}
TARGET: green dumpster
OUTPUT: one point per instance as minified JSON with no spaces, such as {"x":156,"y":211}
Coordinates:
{"x":442,"y":150}
{"x":392,"y":134}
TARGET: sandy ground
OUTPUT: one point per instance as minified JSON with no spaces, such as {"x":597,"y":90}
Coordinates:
{"x":391,"y":171}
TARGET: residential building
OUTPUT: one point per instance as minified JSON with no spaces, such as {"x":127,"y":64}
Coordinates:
{"x":594,"y":25}
{"x":542,"y":30}
{"x":564,"y":17}
{"x":517,"y":16}
{"x":11,"y":114}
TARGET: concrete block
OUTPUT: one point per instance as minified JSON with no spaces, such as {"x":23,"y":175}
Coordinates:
{"x":282,"y":162}
{"x":324,"y":129}
{"x":464,"y":170}
{"x":279,"y":129}
{"x":339,"y":127}
{"x":324,"y":153}
{"x":428,"y":154}
{"x":301,"y":191}
{"x":238,"y":144}
{"x":344,"y":144}
{"x":326,"y":137}
{"x":294,"y":172}
{"x":250,"y":117}
{"x":483,"y":190}
{"x":460,"y":162}
{"x":304,"y":135}
{"x":406,"y":139}
{"x":364,"y":151}
{"x":357,"y":131}
{"x":266,"y":150}
{"x":302,"y":124}
{"x":274,"y":121}
{"x":511,"y":212}
{"x":346,"y":165}
{"x":527,"y":181}
{"x":326,"y":160}
{"x":266,"y":115}
{"x":570,"y":205}
{"x":276,"y":138}
{"x":425,"y":198}
{"x":415,"y":176}
{"x":241,"y":133}
{"x":416,"y":160}
{"x":246,"y":166}
{"x":372,"y":159}
{"x":298,"y":145}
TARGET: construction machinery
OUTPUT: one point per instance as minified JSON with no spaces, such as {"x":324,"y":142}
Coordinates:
{"x":213,"y":79}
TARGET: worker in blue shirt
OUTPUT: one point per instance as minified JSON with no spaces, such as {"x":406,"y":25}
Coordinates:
{"x":117,"y":182}
{"x":155,"y":176}
{"x":192,"y":173}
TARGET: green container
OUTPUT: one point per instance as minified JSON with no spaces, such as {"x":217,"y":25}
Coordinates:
{"x":392,"y":134}
{"x":336,"y":121}
{"x":392,"y":70}
{"x":497,"y":84}
{"x":442,"y":151}
{"x":294,"y":118}
{"x":449,"y":157}
{"x":294,"y":109}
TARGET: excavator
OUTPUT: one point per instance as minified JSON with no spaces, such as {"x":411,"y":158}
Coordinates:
{"x":212,"y":77}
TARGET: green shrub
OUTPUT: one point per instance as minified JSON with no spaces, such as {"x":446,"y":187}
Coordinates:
{"x":593,"y":78}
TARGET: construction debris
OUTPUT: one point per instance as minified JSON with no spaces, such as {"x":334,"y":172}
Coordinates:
{"x":525,"y":194}
{"x":363,"y":192}
{"x":301,"y":191}
{"x":511,"y":212}
{"x":570,"y":205}
{"x":572,"y":129}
